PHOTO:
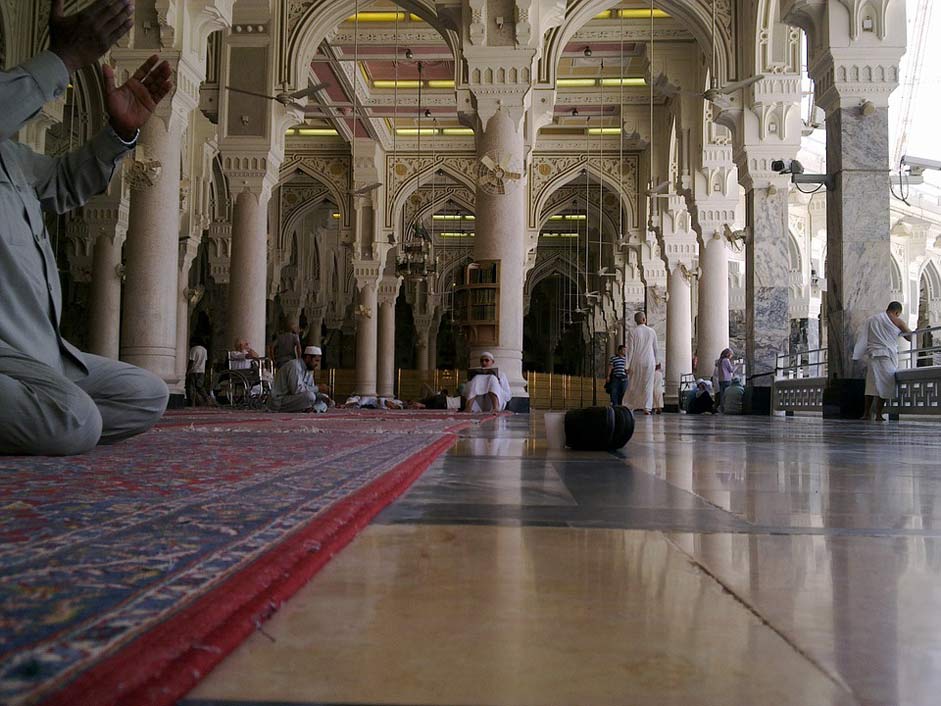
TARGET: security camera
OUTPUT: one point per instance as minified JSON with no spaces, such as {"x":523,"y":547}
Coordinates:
{"x":791,"y":166}
{"x":919,"y":164}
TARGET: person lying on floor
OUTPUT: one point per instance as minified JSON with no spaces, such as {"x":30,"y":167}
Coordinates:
{"x":488,"y":390}
{"x":294,"y":389}
{"x":372,"y":402}
{"x":58,"y":400}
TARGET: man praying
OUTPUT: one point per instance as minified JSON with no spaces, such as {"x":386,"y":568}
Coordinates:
{"x":58,"y":400}
{"x":878,"y":345}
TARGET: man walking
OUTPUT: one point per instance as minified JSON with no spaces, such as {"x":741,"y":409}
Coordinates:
{"x":878,"y":344}
{"x":58,"y":400}
{"x":641,"y":366}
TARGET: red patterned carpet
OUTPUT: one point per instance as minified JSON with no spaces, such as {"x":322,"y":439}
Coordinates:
{"x":128,"y":573}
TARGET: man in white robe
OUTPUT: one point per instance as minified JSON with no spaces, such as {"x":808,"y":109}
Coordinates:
{"x":642,"y":365}
{"x":487,"y":392}
{"x":878,"y":344}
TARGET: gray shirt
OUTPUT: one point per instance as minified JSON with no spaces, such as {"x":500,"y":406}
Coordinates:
{"x":292,"y":379}
{"x":30,"y":292}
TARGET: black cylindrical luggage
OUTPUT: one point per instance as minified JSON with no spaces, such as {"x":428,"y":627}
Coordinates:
{"x":598,"y":428}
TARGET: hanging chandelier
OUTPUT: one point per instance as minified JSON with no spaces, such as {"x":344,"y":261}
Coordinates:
{"x":415,"y":258}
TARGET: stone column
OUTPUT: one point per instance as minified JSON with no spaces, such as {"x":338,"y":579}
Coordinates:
{"x":433,"y":344}
{"x":767,"y":317}
{"x":106,"y":217}
{"x":149,"y":316}
{"x":314,"y":325}
{"x":385,"y":369}
{"x":248,"y":268}
{"x":148,"y":323}
{"x":366,"y":330}
{"x":422,"y":329}
{"x":500,"y":235}
{"x":679,"y":330}
{"x":713,"y":321}
{"x":104,"y":306}
{"x":855,"y":96}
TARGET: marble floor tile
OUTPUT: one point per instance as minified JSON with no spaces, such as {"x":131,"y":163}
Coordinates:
{"x":713,"y":561}
{"x":489,"y":616}
{"x":866,"y":608}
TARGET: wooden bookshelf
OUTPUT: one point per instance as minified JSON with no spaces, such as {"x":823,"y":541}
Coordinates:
{"x":477,"y":303}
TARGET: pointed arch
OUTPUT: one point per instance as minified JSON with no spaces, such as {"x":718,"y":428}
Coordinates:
{"x":628,"y":199}
{"x":304,"y":34}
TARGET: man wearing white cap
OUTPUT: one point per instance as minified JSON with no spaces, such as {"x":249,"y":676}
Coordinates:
{"x":294,"y":389}
{"x":488,"y":390}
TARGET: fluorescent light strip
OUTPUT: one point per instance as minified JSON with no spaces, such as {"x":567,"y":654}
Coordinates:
{"x":604,"y":131}
{"x":457,"y":131}
{"x":456,"y":234}
{"x":440,"y":83}
{"x":312,"y":131}
{"x":559,"y":235}
{"x":575,"y":82}
{"x":425,"y":131}
{"x":384,"y":83}
{"x":624,"y":81}
{"x":592,"y":82}
{"x":568,"y":217}
{"x":384,"y":17}
{"x":634,"y":14}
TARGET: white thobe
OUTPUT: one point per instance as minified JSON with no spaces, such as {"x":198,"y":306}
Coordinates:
{"x":642,"y":354}
{"x":878,"y":343}
{"x":480,"y":386}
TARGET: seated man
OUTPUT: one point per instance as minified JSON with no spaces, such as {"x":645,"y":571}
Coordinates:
{"x":701,"y":402}
{"x":733,"y":397}
{"x":58,"y":400}
{"x":294,"y":388}
{"x":488,"y":390}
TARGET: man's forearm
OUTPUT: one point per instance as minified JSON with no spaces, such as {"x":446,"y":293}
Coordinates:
{"x":25,"y":89}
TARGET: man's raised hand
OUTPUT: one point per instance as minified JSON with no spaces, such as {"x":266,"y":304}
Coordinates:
{"x":131,"y":105}
{"x":81,"y":39}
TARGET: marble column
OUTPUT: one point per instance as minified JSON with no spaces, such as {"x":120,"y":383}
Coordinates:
{"x":433,"y":344}
{"x":679,"y":330}
{"x":148,"y":322}
{"x":366,"y":337}
{"x":182,"y":333}
{"x":248,"y":268}
{"x":421,"y":349}
{"x":500,"y":235}
{"x":104,"y":305}
{"x":385,"y":368}
{"x":767,"y":319}
{"x":858,"y":245}
{"x":713,"y":321}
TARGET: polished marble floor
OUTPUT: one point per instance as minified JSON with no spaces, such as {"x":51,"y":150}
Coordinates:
{"x":712,"y":562}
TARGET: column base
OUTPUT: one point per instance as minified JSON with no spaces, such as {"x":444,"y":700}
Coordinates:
{"x":177,"y":401}
{"x":844,"y":398}
{"x":757,"y":401}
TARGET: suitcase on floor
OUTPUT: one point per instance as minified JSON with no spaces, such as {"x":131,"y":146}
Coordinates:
{"x":598,"y":428}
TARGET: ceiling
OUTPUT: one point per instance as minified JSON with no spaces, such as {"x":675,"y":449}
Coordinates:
{"x":388,"y":90}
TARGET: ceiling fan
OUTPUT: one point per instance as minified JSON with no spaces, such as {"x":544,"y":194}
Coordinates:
{"x":497,"y":171}
{"x":289,"y":100}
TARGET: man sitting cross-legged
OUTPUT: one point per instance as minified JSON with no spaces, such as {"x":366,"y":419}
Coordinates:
{"x":487,"y":391}
{"x":294,"y":387}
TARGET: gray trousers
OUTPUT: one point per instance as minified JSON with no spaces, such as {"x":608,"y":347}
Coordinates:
{"x":44,"y":413}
